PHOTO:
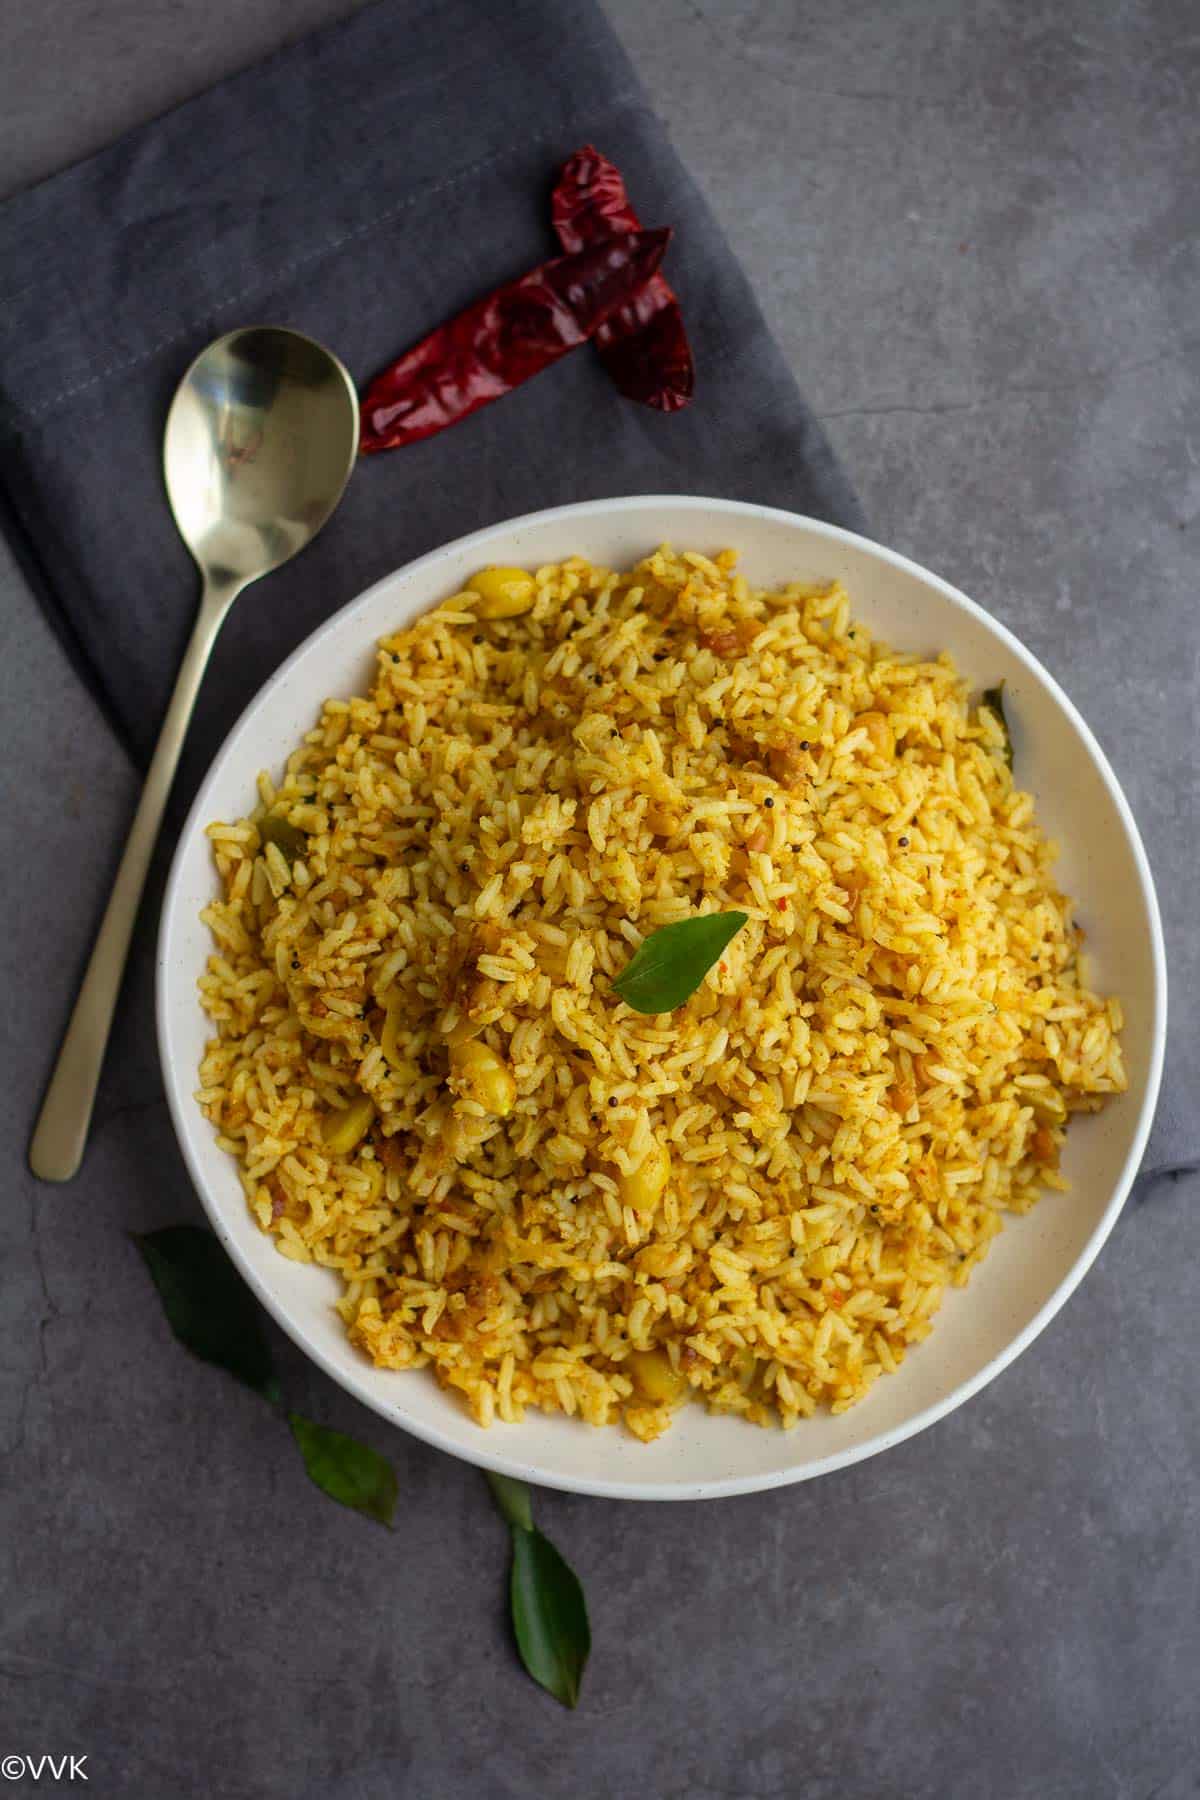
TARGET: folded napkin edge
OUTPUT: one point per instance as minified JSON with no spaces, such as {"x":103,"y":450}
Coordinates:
{"x":17,"y":413}
{"x":18,"y":525}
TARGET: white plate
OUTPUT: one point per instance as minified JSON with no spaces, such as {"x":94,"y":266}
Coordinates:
{"x":1036,"y":1261}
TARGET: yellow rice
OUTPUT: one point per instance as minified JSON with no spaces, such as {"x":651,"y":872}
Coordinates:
{"x":879,"y":1067}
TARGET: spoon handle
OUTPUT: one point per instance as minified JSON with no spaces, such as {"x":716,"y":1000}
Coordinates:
{"x":56,"y":1149}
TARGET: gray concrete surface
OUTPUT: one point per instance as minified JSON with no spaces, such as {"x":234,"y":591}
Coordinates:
{"x":974,"y":227}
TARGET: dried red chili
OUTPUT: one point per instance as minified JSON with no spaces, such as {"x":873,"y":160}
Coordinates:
{"x":505,"y":338}
{"x":644,"y":345}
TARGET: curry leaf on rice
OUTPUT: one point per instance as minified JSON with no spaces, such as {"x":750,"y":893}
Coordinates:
{"x":669,"y":965}
{"x":287,"y":838}
{"x":993,"y":699}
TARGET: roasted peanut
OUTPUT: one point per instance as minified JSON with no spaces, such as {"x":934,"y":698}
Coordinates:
{"x":643,"y":1188}
{"x":345,"y":1129}
{"x":503,"y":593}
{"x":656,"y":1377}
{"x":483,"y":1076}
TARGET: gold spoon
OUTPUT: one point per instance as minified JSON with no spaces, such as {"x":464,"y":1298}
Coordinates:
{"x":260,"y":441}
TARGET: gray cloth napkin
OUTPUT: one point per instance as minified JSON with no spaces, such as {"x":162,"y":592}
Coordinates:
{"x":361,"y":186}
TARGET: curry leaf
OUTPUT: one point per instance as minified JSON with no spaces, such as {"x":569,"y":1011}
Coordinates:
{"x":549,"y":1612}
{"x":513,"y":1499}
{"x":288,"y":839}
{"x":670,"y":964}
{"x":349,"y":1472}
{"x":549,"y":1615}
{"x":208,"y":1306}
{"x":993,"y":699}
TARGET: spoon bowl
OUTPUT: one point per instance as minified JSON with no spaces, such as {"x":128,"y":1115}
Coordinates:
{"x":260,"y":441}
{"x":259,"y":444}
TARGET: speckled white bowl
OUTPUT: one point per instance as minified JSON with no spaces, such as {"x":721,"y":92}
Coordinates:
{"x":1036,"y":1262}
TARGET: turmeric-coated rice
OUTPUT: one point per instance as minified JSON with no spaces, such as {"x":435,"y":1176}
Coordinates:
{"x":551,"y":1200}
